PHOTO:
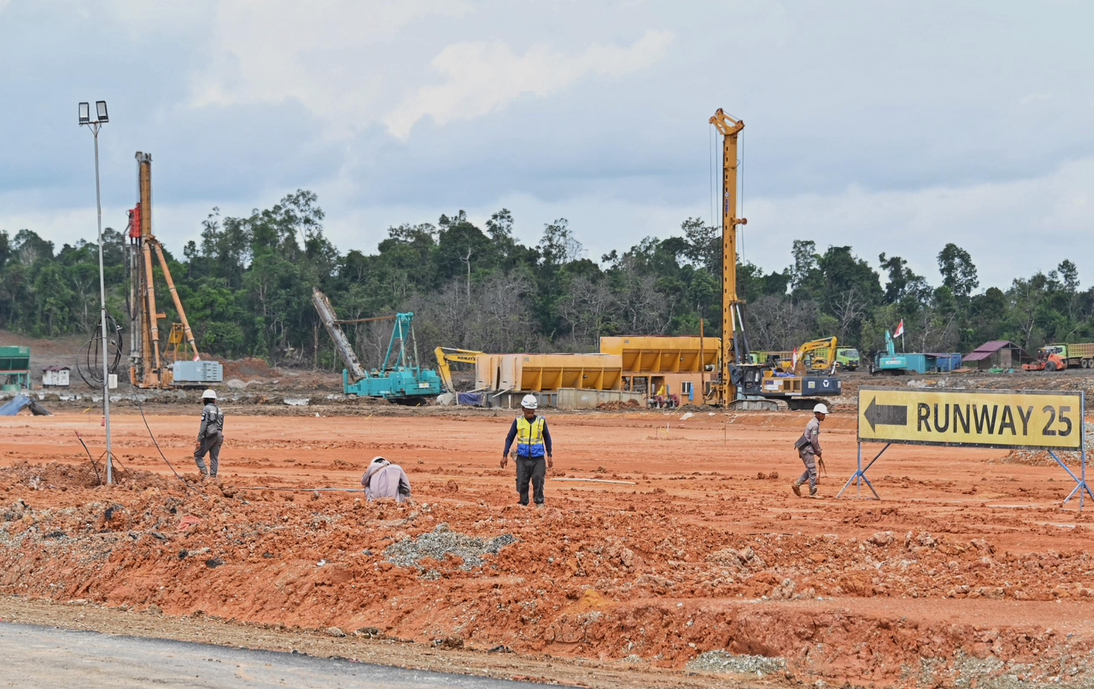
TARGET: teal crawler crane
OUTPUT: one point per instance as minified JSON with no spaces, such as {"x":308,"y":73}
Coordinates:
{"x":400,"y":379}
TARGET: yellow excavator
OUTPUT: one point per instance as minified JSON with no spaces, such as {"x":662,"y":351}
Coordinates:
{"x":817,"y":356}
{"x":448,"y":355}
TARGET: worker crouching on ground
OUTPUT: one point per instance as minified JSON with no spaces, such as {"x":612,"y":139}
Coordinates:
{"x":385,"y":480}
{"x":533,"y":455}
{"x":809,"y":450}
{"x":210,"y":435}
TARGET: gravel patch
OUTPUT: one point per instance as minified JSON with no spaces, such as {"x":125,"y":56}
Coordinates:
{"x":441,"y":543}
{"x":724,"y":661}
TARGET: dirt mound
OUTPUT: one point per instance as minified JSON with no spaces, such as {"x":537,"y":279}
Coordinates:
{"x":629,"y":405}
{"x":249,"y":369}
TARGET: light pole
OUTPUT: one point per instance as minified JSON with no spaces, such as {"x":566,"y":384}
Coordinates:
{"x":101,"y":119}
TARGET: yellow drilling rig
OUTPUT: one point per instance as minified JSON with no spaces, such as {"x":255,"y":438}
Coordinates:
{"x":743,"y":384}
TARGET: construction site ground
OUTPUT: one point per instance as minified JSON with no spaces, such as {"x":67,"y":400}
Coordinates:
{"x":680,"y":558}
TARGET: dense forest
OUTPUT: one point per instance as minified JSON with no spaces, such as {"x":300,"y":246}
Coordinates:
{"x":246,"y":286}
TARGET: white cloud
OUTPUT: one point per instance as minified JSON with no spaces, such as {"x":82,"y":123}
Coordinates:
{"x":483,"y":76}
{"x":1011,"y":229}
{"x":317,"y":52}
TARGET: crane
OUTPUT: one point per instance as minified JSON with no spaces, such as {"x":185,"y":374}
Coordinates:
{"x":149,"y":364}
{"x":730,"y":129}
{"x":400,"y":379}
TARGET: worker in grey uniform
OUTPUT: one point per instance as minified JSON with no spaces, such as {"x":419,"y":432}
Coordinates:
{"x":809,"y":450}
{"x":210,"y":435}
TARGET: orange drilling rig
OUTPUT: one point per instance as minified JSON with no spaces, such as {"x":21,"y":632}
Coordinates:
{"x":151,"y":365}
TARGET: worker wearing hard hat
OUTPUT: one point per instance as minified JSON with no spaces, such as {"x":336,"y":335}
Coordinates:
{"x":533,"y":453}
{"x":210,"y":435}
{"x":809,"y":450}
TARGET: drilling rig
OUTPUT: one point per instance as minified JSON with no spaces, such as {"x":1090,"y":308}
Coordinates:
{"x":744,"y":384}
{"x":176,"y":362}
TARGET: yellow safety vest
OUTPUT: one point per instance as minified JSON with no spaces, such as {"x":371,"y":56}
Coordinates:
{"x":530,"y":437}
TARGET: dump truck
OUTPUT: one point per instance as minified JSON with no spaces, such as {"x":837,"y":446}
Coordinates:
{"x":1076,"y":355}
{"x":847,"y":359}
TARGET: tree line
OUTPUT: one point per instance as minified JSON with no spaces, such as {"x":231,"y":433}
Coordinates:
{"x":246,"y":285}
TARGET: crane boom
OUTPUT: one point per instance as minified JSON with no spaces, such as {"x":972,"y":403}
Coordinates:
{"x":341,"y":343}
{"x":729,"y":128}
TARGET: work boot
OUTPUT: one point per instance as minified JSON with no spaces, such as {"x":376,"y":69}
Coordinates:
{"x":796,"y":487}
{"x":813,"y":493}
{"x":540,"y":506}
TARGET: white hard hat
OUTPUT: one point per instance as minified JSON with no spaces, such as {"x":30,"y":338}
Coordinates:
{"x":209,"y":394}
{"x":820,"y":409}
{"x":529,"y":402}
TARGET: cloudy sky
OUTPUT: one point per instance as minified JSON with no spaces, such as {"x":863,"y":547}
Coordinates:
{"x":892,"y":127}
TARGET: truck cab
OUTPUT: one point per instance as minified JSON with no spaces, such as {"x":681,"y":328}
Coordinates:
{"x":847,"y":359}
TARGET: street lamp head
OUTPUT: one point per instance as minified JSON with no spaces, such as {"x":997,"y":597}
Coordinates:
{"x":85,"y":113}
{"x":100,"y":109}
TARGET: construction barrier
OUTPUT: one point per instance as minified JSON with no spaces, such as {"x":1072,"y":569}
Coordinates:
{"x":1046,"y":420}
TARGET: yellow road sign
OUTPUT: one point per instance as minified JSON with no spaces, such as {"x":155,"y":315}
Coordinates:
{"x":992,"y":419}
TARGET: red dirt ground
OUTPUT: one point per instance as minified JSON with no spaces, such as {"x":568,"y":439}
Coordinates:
{"x":967,"y":569}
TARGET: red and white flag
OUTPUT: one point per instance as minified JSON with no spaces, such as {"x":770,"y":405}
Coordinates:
{"x":899,"y":329}
{"x":794,"y":359}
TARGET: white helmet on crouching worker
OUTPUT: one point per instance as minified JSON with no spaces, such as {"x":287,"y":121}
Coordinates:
{"x":529,"y":402}
{"x":209,"y":394}
{"x":820,"y":409}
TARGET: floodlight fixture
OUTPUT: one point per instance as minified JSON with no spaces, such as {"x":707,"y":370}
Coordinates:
{"x":85,"y":113}
{"x":100,"y":109}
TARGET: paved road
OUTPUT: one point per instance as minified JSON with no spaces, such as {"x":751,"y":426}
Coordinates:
{"x":58,"y":659}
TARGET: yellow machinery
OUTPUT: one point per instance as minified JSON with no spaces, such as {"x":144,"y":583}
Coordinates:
{"x":446,"y":356}
{"x":757,"y":381}
{"x":149,"y":364}
{"x":818,"y":356}
{"x":729,"y":128}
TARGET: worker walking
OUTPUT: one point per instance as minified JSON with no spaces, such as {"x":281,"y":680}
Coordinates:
{"x":809,"y":450}
{"x":210,"y":435}
{"x":385,"y":480}
{"x":533,"y":453}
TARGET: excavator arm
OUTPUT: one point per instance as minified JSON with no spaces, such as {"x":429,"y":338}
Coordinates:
{"x":447,"y":355}
{"x":818,"y":356}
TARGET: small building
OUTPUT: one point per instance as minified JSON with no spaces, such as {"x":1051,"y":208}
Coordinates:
{"x":1002,"y":354}
{"x":14,"y":368}
{"x":55,"y":376}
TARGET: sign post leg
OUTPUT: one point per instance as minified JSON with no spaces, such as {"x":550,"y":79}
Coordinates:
{"x":1080,"y":483}
{"x":860,"y":476}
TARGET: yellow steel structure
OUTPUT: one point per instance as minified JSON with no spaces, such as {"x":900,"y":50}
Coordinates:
{"x":663,"y":354}
{"x":548,"y":372}
{"x":729,"y":128}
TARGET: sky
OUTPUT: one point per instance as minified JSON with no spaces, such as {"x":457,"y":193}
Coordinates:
{"x":889,"y":127}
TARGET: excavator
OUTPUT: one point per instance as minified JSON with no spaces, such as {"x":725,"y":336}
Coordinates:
{"x":817,"y":356}
{"x":448,"y":355}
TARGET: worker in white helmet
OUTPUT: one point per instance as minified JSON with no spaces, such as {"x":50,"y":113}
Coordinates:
{"x":809,"y":450}
{"x":210,"y":435}
{"x":533,"y":453}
